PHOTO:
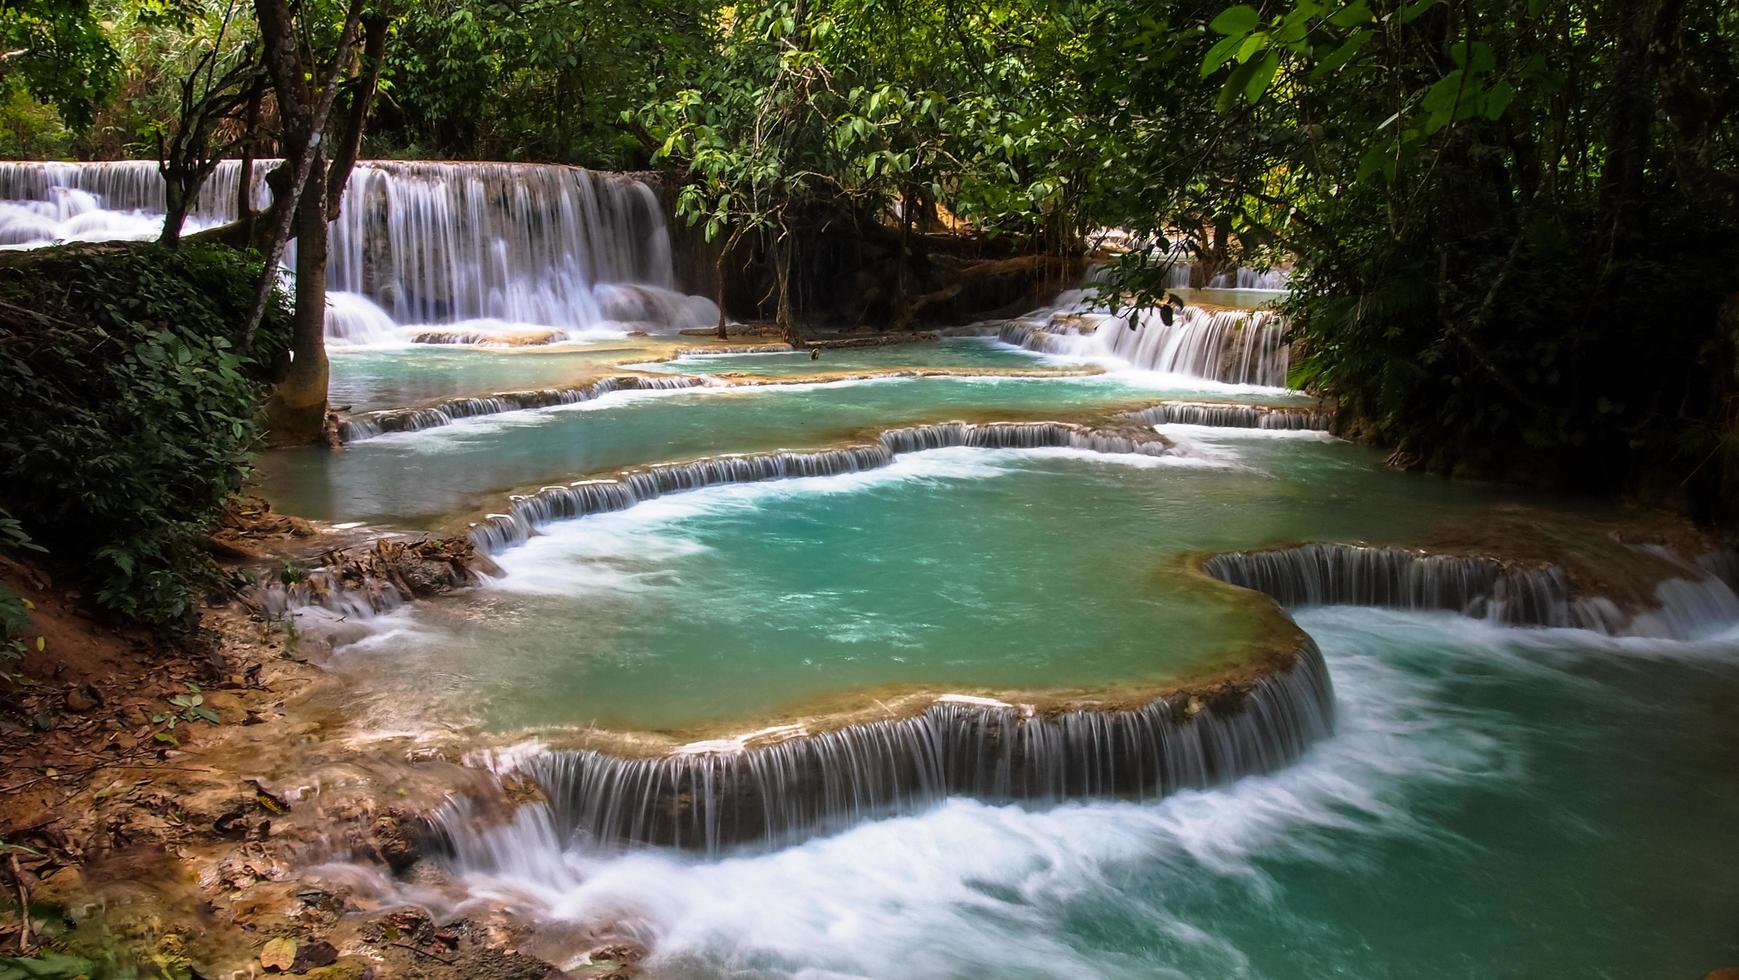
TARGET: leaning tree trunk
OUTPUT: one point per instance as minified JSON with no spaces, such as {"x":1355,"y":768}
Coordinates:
{"x":719,"y":288}
{"x":177,"y":202}
{"x":296,"y":412}
{"x":782,"y":272}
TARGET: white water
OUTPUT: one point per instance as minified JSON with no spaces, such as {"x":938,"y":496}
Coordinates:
{"x":969,"y":889}
{"x":1240,"y":350}
{"x":482,"y":250}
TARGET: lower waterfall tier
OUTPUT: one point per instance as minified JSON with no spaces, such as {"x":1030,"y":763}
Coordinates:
{"x":712,"y":799}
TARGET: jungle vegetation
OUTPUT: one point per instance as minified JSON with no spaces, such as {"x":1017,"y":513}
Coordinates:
{"x":1513,"y":225}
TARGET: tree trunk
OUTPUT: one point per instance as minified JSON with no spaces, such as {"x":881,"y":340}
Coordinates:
{"x":719,"y":286}
{"x":902,"y":306}
{"x":362,"y":92}
{"x":176,"y":202}
{"x":296,"y":412}
{"x":782,"y":272}
{"x":244,"y":203}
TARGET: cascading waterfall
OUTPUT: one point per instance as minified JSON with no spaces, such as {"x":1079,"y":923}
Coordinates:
{"x":1234,"y":346}
{"x":529,"y":512}
{"x":1246,"y":278}
{"x":367,"y":426}
{"x":1477,"y":587}
{"x":726,"y":794}
{"x":1234,"y":416}
{"x":491,"y":246}
{"x":436,"y":243}
{"x":42,"y":203}
{"x":1246,"y":347}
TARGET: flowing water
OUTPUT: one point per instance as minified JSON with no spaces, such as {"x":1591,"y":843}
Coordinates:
{"x":729,"y":594}
{"x":1494,"y":803}
{"x":476,"y":251}
{"x":422,"y":476}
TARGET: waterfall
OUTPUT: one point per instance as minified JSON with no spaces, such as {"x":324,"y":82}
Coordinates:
{"x":371,"y":424}
{"x":1234,"y":346}
{"x":720,"y":794}
{"x":490,"y":246}
{"x":1246,"y":278}
{"x":529,"y":512}
{"x":1234,"y":416}
{"x":1246,"y":347}
{"x":1509,"y":593}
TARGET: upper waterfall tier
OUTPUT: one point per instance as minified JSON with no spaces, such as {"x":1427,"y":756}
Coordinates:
{"x":493,"y":246}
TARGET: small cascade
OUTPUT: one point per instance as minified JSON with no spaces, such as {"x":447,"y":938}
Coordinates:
{"x":324,"y":588}
{"x":1246,"y":347}
{"x":1234,"y":416}
{"x":356,"y":319}
{"x":1478,"y":587}
{"x":367,"y":426}
{"x":1246,"y":278}
{"x":1233,"y":346}
{"x":496,"y":244}
{"x":530,"y":512}
{"x":780,"y":348}
{"x":717,"y":795}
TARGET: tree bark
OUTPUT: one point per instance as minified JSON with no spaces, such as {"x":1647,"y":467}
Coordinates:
{"x":362,"y":93}
{"x":719,"y":287}
{"x":296,"y":412}
{"x":782,"y":272}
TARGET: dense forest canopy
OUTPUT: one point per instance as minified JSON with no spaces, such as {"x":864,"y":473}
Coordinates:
{"x":1511,"y":222}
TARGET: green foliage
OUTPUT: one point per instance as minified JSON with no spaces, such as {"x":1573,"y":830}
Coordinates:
{"x":491,"y":80}
{"x":60,"y":53}
{"x":1515,"y":225}
{"x":29,"y":129}
{"x":134,"y":413}
{"x":46,"y":965}
{"x":14,"y":608}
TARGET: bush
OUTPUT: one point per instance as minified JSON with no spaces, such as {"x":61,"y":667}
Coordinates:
{"x":30,"y":130}
{"x":132,"y":412}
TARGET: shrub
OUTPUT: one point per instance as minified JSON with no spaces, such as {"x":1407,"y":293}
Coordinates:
{"x":131,"y":413}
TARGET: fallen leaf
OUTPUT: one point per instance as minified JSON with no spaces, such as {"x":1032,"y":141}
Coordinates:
{"x":279,"y":954}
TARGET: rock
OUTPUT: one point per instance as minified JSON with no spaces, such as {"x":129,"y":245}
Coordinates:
{"x":134,"y":716}
{"x":426,"y":578}
{"x":80,"y":700}
{"x":393,"y":837}
{"x":228,"y":706}
{"x":614,"y":962}
{"x":314,"y":954}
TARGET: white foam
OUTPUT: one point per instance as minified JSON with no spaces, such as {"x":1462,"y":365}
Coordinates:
{"x":975,"y":889}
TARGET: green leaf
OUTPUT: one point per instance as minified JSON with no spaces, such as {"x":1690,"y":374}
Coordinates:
{"x":1499,"y":99}
{"x":1341,"y":55}
{"x":1236,"y":21}
{"x":1442,"y":95}
{"x":1482,"y":60}
{"x":1415,"y":10}
{"x":1220,"y":53}
{"x":1235,"y":86}
{"x":1262,"y":77}
{"x":1351,"y":15}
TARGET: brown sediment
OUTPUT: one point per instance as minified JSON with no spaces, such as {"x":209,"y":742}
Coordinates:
{"x":178,"y":843}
